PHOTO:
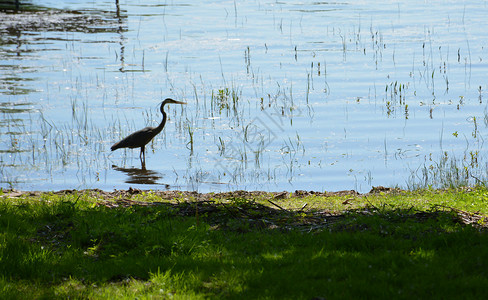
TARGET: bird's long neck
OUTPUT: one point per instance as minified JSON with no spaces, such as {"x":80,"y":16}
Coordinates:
{"x":160,"y":127}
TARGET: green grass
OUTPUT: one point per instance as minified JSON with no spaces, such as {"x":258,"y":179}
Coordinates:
{"x":384,"y":245}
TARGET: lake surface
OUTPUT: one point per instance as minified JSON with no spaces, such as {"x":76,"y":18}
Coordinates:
{"x":288,"y":95}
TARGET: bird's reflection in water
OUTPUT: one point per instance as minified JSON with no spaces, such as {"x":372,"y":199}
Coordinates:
{"x":141,"y":175}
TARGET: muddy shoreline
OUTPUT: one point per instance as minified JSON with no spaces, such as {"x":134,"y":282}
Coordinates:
{"x":196,"y":195}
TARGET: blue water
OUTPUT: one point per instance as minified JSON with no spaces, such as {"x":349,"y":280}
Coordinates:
{"x":281,"y":96}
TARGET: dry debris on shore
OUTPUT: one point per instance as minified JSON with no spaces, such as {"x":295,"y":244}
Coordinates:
{"x":240,"y":206}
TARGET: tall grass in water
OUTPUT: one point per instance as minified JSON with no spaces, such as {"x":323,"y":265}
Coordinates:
{"x":449,"y":172}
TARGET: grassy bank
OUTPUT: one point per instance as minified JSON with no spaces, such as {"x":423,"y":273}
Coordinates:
{"x":93,"y":244}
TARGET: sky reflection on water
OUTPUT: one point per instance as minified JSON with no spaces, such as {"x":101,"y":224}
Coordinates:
{"x":282,"y":96}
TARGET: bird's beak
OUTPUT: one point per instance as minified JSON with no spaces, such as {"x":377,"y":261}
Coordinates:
{"x":172,"y":101}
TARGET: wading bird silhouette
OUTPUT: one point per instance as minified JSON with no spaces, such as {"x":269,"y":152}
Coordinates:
{"x":140,"y":138}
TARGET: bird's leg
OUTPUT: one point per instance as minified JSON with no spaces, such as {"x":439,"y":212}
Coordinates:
{"x":142,"y":156}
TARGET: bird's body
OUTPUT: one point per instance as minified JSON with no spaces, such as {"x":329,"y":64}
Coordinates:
{"x":140,"y":138}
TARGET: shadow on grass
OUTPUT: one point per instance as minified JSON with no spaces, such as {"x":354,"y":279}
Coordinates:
{"x":236,"y":250}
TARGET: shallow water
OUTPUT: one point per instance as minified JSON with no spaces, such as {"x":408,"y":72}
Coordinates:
{"x":281,"y":96}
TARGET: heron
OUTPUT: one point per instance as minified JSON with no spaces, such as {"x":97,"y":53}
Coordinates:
{"x":140,"y":138}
